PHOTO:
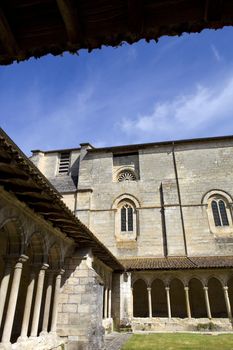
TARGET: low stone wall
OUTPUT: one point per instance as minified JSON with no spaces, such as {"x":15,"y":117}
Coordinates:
{"x":45,"y":342}
{"x":178,"y":324}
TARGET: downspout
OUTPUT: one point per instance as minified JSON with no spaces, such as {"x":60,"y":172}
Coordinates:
{"x":179,"y":198}
{"x":164,"y":230}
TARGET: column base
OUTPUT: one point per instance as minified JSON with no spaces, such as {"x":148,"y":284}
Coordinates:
{"x":22,"y":339}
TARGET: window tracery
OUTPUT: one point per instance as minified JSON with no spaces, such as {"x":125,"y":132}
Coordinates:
{"x":126,"y":218}
{"x":126,"y":175}
{"x":219,"y":212}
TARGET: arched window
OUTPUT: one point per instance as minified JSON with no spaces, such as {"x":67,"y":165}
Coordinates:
{"x":219,"y":212}
{"x":127,"y":218}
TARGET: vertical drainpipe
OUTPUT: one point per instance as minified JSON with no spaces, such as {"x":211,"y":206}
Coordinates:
{"x":179,"y":197}
{"x":164,"y":230}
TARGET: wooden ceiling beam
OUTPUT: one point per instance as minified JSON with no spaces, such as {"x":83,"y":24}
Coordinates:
{"x":136,"y":16}
{"x":7,"y":37}
{"x":71,"y":20}
{"x":213,"y":10}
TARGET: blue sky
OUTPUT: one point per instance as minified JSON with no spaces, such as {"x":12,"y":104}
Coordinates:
{"x":180,"y":87}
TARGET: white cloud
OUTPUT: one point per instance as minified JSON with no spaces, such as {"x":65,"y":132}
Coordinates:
{"x":216,"y":53}
{"x":186,"y":115}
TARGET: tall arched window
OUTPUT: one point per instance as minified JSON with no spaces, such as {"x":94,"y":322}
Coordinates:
{"x":219,"y":212}
{"x":127,"y":218}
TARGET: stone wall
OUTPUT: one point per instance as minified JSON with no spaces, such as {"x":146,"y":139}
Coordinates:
{"x":201,"y":167}
{"x":81,"y":304}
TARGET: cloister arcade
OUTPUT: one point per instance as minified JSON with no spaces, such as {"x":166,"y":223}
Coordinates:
{"x":207,"y":295}
{"x":37,"y":268}
{"x":31,"y":266}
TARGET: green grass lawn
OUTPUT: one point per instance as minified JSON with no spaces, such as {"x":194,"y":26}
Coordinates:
{"x":179,"y":341}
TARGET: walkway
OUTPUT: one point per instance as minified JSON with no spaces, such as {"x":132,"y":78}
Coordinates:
{"x":114,"y":341}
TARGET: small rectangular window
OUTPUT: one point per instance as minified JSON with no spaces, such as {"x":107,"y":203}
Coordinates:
{"x":64,"y":163}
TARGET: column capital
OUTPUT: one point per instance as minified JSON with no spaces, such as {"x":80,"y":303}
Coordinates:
{"x":44,"y":266}
{"x":186,"y":288}
{"x":225,"y":288}
{"x":149,"y":289}
{"x":205,"y":288}
{"x":167,"y":288}
{"x":23,"y":258}
{"x":61,"y":271}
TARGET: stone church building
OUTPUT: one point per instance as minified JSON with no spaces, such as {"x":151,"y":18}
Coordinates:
{"x":137,"y":236}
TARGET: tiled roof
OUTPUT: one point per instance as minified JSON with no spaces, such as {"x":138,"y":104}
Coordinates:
{"x":175,"y":263}
{"x":64,"y":183}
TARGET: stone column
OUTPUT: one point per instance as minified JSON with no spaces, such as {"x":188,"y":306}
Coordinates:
{"x":55,"y":301}
{"x":13,"y":299}
{"x":38,"y":299}
{"x":109,"y":303}
{"x":131,"y":301}
{"x":168,"y":302}
{"x":106,"y":303}
{"x":207,"y":302}
{"x":48,"y":302}
{"x":149,"y":301}
{"x":227,"y":301}
{"x":27,"y":308}
{"x":186,"y":289}
{"x":4,"y":287}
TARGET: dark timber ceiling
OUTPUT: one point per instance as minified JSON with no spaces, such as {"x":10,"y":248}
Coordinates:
{"x":33,"y":28}
{"x":19,"y":176}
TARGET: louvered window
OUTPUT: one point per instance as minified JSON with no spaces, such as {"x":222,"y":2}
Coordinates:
{"x":64,"y":163}
{"x":126,"y":218}
{"x":219,"y":213}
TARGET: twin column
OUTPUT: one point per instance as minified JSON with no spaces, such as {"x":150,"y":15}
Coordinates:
{"x":13,"y":296}
{"x":12,"y":299}
{"x":187,"y":301}
{"x":107,"y":302}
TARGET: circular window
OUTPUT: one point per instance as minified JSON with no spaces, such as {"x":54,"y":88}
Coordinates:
{"x":126,"y":176}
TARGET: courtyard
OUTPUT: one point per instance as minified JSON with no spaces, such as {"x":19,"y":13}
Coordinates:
{"x":179,"y":341}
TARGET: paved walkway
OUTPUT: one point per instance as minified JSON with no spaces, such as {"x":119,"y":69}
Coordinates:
{"x":114,"y":341}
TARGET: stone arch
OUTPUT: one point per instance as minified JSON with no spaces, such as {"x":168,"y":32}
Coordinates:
{"x":125,"y":196}
{"x":177,"y":296}
{"x":216,"y":298}
{"x":158,"y":296}
{"x":197,"y":298}
{"x":199,"y":278}
{"x":218,"y":278}
{"x":230,"y":291}
{"x":36,"y":247}
{"x":140,"y":299}
{"x":13,"y":232}
{"x":214,"y":192}
{"x":54,"y":256}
